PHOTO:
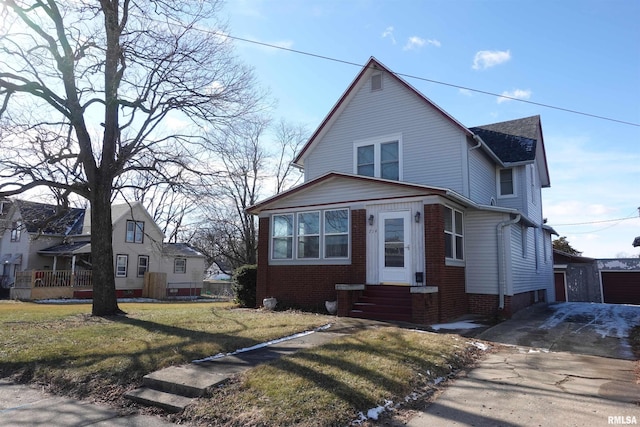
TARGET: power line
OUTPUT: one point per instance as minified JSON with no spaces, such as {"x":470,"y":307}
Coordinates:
{"x":341,"y":61}
{"x":596,"y":222}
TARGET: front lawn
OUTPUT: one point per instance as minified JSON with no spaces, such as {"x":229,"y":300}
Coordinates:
{"x":69,"y":352}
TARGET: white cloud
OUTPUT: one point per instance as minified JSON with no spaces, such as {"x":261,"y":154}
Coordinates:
{"x":415,"y":42}
{"x":488,"y":58}
{"x":388,"y":32}
{"x":514,"y":94}
{"x":465,"y":92}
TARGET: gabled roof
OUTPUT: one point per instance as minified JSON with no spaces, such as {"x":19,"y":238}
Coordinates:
{"x":517,"y":141}
{"x":50,"y":219}
{"x":372,"y":65}
{"x":509,"y":148}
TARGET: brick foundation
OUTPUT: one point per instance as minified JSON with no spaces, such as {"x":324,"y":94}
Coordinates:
{"x":425,"y":308}
{"x":488,"y":304}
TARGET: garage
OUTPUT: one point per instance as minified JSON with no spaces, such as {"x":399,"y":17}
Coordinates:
{"x":620,"y":280}
{"x":621,"y":287}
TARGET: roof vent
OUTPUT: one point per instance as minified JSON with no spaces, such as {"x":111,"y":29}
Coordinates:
{"x":492,"y":202}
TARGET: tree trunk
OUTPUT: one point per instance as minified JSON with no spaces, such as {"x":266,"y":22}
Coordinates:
{"x":105,"y":302}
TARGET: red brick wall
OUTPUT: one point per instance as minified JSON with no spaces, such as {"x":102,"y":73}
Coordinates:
{"x":310,"y":286}
{"x":424,"y":308}
{"x":488,"y":304}
{"x":452,"y":297}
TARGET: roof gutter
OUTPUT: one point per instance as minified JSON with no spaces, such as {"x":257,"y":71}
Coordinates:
{"x":502,"y":280}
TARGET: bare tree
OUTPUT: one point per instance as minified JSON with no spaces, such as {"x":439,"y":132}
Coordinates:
{"x":254,"y":162}
{"x":93,"y":94}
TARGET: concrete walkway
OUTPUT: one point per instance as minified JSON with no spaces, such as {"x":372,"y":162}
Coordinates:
{"x":518,"y":385}
{"x":22,"y":405}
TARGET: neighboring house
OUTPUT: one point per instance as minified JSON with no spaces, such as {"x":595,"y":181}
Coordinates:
{"x":46,"y":252}
{"x":577,"y":278}
{"x":407,"y":214}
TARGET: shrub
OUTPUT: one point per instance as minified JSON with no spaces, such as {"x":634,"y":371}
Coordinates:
{"x":244,"y":285}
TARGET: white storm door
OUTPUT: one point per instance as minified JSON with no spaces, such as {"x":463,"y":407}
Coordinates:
{"x":395,"y":247}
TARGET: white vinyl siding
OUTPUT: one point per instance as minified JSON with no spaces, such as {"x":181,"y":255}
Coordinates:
{"x":482,"y":177}
{"x":431,"y":144}
{"x":481,"y":242}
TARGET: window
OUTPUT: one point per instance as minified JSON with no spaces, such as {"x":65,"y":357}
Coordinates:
{"x":506,"y":182}
{"x":309,"y":235}
{"x":380,"y":157}
{"x":453,"y":234}
{"x":180,"y":265}
{"x":317,"y":235}
{"x":121,"y":265}
{"x":336,"y":233}
{"x":16,"y":230}
{"x":376,"y":81}
{"x":143,"y":265}
{"x":282,"y":234}
{"x":135,"y":231}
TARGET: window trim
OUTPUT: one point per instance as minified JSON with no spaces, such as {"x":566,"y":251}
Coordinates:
{"x":175,"y":264}
{"x":377,"y":142}
{"x":140,"y":257}
{"x":454,"y":235}
{"x":135,"y":232}
{"x":322,"y":251}
{"x":513,"y":183}
{"x":126,"y":265}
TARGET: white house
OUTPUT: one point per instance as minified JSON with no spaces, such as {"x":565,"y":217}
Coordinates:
{"x":407,"y":214}
{"x":50,"y":249}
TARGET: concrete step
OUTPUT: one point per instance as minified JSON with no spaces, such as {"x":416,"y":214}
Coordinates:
{"x":167,"y":401}
{"x":187,"y":380}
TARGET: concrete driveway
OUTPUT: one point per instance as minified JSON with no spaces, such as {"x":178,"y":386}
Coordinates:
{"x":564,"y":364}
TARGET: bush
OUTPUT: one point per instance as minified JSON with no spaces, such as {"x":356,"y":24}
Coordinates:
{"x":244,"y":285}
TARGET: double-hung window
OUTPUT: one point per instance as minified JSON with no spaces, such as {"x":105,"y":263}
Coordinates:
{"x":143,"y":265}
{"x":453,"y":234}
{"x":122,"y":262}
{"x":506,"y":183}
{"x":180,"y":265}
{"x":379,"y":157}
{"x":310,"y":235}
{"x":282,"y":236}
{"x":135,"y":231}
{"x":16,"y":230}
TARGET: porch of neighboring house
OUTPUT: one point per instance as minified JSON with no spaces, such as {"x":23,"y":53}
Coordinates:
{"x":49,"y":284}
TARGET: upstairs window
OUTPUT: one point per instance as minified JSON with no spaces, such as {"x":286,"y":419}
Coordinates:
{"x":506,"y":183}
{"x":380,"y":157}
{"x":16,"y":231}
{"x":453,"y":234}
{"x":135,"y":232}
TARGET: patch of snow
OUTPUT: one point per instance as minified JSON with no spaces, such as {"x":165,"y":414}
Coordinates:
{"x":374,"y":413}
{"x":262,"y":345}
{"x":456,"y":325}
{"x":608,"y":320}
{"x":438,"y":380}
{"x":482,"y":346}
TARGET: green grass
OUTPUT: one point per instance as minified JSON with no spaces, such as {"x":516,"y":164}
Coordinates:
{"x":330,"y":385}
{"x":72,"y":353}
{"x":63,"y":347}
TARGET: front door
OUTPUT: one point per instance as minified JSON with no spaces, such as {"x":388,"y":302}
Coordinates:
{"x":395,"y":247}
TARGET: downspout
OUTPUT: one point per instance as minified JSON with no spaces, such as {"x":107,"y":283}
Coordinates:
{"x":502,"y":280}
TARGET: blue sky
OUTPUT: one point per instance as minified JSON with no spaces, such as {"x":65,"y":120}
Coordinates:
{"x":577,"y":55}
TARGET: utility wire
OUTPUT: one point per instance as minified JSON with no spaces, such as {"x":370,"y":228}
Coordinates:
{"x":341,"y":61}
